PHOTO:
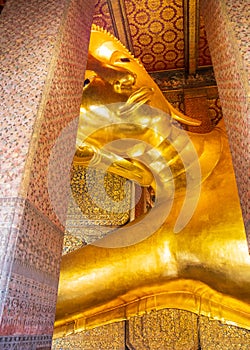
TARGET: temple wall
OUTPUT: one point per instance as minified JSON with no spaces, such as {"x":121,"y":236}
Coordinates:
{"x":169,"y":329}
{"x":227,"y":27}
{"x":44,"y":48}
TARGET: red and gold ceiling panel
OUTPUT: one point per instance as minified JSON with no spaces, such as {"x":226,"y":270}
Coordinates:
{"x":204,"y":58}
{"x":102,"y":16}
{"x":156,"y":29}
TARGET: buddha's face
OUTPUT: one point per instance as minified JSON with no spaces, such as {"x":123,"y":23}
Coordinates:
{"x":115,"y":88}
{"x":115,"y":75}
{"x":107,"y":83}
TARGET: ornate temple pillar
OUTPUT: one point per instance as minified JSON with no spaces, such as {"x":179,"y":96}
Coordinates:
{"x":227,"y":27}
{"x":44,"y":48}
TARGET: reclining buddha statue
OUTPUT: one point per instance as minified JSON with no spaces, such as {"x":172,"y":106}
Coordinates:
{"x":189,"y":249}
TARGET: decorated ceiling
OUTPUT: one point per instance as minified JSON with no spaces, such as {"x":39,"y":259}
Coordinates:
{"x":164,"y":34}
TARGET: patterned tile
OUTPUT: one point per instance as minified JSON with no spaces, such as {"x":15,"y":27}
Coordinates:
{"x":102,"y":16}
{"x":157,"y":33}
{"x":204,"y":57}
{"x":34,"y":254}
{"x":227,"y":26}
{"x":44,"y":45}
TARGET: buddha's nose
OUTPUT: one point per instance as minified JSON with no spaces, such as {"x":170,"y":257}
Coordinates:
{"x":125,"y":82}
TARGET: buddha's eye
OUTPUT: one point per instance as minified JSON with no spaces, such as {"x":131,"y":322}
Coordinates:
{"x":89,"y":78}
{"x":86,"y":82}
{"x":124,"y":59}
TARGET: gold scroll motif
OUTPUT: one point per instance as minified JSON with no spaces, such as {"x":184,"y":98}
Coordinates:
{"x":203,"y":264}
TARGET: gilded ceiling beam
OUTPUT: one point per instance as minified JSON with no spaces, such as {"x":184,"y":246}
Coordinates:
{"x":191,"y":30}
{"x":120,"y":22}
